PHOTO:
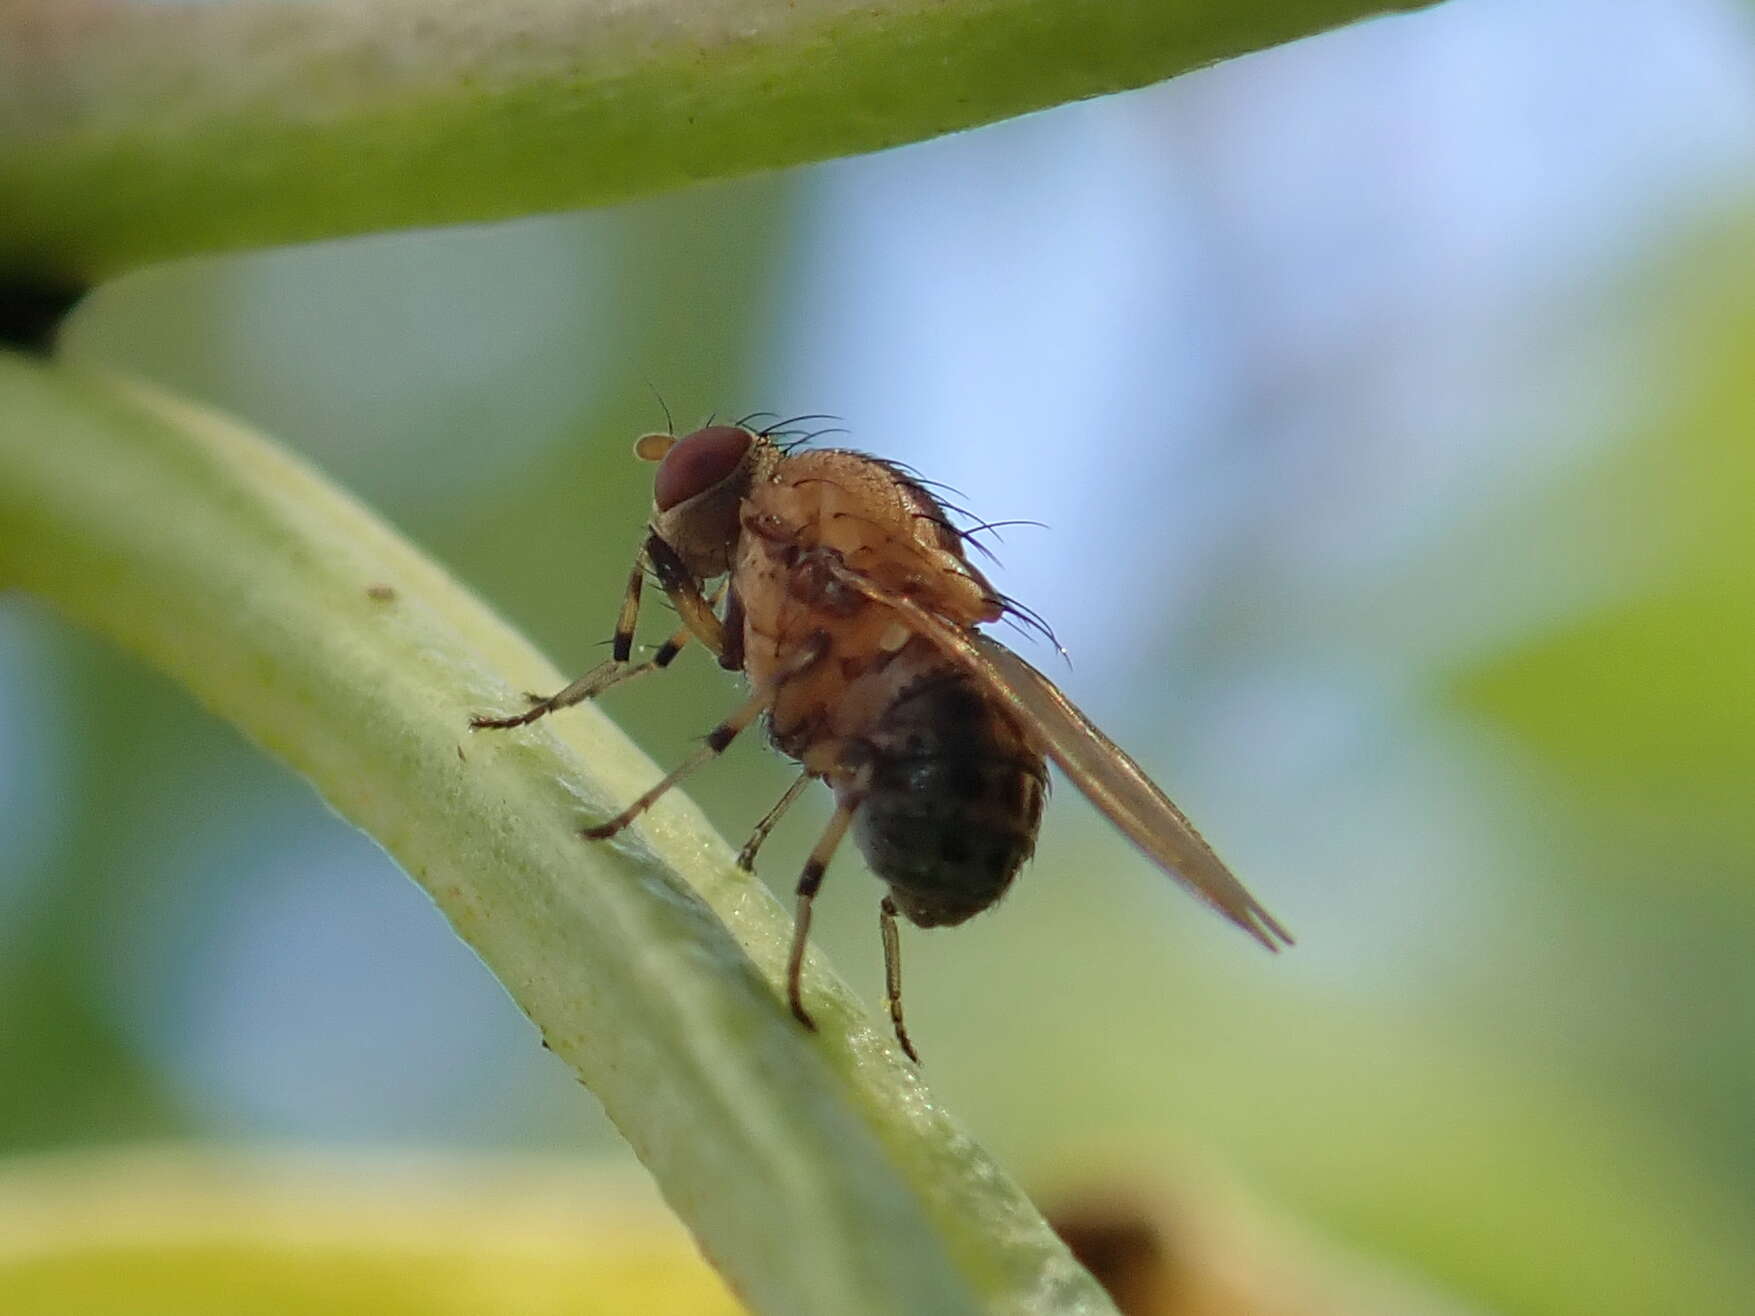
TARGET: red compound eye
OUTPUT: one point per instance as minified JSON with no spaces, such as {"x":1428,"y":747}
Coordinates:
{"x":697,"y":463}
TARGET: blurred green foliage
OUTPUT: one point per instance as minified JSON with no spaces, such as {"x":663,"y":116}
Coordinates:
{"x":1635,"y":725}
{"x":1555,"y":1117}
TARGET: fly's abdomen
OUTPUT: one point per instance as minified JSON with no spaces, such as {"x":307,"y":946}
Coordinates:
{"x":954,"y":801}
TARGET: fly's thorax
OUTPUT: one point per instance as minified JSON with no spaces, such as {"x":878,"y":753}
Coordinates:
{"x":880,"y":692}
{"x":876,"y":521}
{"x":792,"y":592}
{"x":953,"y":793}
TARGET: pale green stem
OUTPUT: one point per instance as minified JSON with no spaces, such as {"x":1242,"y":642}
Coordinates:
{"x":816,"y":1169}
{"x":133,"y":131}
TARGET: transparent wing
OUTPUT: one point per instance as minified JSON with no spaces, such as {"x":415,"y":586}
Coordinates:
{"x":1096,"y":765}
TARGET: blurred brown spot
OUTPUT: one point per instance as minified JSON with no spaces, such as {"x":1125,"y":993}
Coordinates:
{"x":1122,"y":1245}
{"x":381,"y":593}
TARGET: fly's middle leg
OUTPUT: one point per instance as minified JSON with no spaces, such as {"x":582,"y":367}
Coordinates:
{"x":746,"y":857}
{"x":717,"y":740}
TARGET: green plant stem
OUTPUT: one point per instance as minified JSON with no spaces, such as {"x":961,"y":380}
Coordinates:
{"x":816,"y":1170}
{"x":134,"y":131}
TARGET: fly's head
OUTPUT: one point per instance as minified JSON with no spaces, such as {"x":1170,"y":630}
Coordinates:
{"x":699,"y":489}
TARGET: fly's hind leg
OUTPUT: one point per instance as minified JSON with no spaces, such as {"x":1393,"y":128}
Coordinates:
{"x":849,"y":796}
{"x":746,"y":857}
{"x":809,"y":883}
{"x":893,"y":975}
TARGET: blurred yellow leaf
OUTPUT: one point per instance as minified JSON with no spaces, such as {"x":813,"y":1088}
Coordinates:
{"x":183,"y":1234}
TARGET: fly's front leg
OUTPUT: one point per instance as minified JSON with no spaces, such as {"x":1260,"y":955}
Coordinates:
{"x":618,"y":667}
{"x":684,"y":592}
{"x":607,"y":673}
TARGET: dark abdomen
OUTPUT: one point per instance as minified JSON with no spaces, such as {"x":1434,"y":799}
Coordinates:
{"x":955,"y":799}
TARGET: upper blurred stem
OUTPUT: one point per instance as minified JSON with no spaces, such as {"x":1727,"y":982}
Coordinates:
{"x":133,"y":131}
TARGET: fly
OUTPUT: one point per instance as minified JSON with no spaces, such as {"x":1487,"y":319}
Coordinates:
{"x":838,"y":585}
